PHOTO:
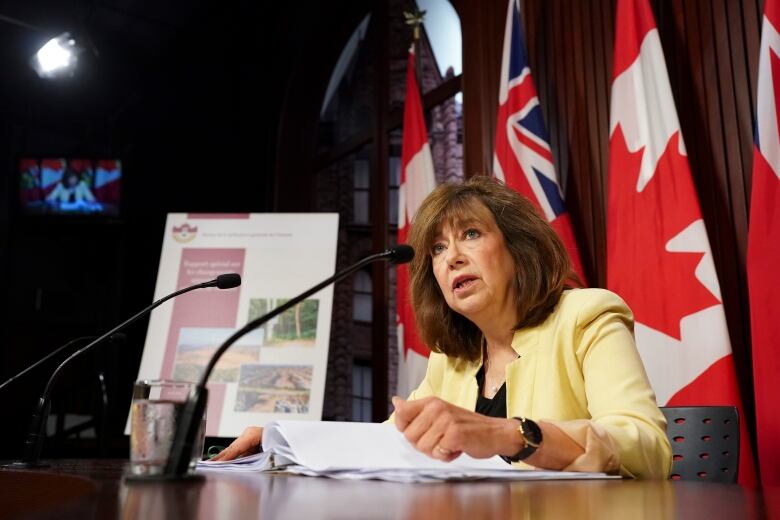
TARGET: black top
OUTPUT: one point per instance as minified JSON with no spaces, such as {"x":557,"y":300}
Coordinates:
{"x":495,"y":407}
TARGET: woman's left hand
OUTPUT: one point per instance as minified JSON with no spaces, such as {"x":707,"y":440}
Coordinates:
{"x":246,"y":444}
{"x":444,"y":431}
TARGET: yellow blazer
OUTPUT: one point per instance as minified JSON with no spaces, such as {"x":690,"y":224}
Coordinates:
{"x":580,"y":370}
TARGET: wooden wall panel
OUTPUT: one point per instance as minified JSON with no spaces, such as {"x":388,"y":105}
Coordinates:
{"x":482,"y":27}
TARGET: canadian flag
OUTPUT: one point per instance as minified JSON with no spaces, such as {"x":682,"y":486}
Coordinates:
{"x":417,"y":181}
{"x":658,"y":253}
{"x":764,"y":248}
{"x":107,"y":178}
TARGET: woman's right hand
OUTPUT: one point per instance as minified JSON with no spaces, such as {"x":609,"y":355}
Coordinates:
{"x":246,"y":444}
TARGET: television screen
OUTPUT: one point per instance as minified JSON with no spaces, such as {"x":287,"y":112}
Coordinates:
{"x":76,"y":186}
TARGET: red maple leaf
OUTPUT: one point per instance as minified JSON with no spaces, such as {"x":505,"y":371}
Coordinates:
{"x":659,"y":285}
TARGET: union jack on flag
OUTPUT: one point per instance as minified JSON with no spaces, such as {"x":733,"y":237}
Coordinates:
{"x":523,"y":159}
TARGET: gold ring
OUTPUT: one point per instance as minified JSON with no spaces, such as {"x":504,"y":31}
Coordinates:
{"x":443,"y":451}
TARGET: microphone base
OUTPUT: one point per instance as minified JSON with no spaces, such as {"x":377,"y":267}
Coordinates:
{"x":19,"y":464}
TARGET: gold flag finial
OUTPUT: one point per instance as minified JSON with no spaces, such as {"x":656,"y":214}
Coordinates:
{"x":415,"y":19}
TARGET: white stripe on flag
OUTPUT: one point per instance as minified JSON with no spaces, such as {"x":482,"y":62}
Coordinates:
{"x":420,"y":181}
{"x":643,"y":105}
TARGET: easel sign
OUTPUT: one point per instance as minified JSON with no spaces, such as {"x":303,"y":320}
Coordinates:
{"x":277,"y":371}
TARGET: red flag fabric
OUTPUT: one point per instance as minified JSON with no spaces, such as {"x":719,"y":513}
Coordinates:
{"x":107,"y":181}
{"x":523,"y":159}
{"x":764,"y":248}
{"x":417,"y":181}
{"x":51,"y":174}
{"x":658,"y":254}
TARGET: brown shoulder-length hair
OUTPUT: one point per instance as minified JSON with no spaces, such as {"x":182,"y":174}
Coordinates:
{"x":542,"y":265}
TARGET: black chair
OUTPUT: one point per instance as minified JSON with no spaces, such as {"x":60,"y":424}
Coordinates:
{"x":705,"y":442}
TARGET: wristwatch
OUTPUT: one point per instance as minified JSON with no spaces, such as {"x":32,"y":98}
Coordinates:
{"x":532,"y":437}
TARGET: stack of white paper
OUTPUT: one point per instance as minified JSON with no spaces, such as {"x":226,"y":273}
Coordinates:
{"x":347,"y":450}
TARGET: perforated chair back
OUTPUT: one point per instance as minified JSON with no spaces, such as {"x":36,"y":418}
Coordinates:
{"x":705,"y":442}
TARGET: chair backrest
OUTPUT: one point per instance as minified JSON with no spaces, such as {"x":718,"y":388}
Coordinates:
{"x":705,"y":442}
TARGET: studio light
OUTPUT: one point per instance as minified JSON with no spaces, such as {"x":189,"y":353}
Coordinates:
{"x":58,"y":57}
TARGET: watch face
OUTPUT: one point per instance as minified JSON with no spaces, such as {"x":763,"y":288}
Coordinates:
{"x":531,"y":432}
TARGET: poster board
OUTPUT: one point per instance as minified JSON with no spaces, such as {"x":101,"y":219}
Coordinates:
{"x":278,"y":370}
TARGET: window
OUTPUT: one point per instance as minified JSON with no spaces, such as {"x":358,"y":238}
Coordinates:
{"x":361,"y":185}
{"x":442,"y":26}
{"x":362,"y":306}
{"x":344,"y":68}
{"x":394,"y":177}
{"x":361,"y":392}
{"x":360,"y":179}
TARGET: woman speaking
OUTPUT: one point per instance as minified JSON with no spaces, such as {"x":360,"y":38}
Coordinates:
{"x":524,"y":365}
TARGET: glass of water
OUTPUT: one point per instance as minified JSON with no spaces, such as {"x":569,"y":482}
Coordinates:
{"x":154,"y":417}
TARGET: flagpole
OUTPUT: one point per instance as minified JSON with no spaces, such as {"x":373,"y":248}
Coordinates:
{"x":417,"y":180}
{"x":415,"y":19}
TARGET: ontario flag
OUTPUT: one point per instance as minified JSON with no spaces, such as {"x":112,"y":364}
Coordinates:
{"x":417,"y":181}
{"x":764,"y":248}
{"x":523,"y":158}
{"x":658,"y":253}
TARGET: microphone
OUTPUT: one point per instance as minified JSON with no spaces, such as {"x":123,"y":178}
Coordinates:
{"x":225,"y":281}
{"x":400,"y":254}
{"x":35,"y":436}
{"x":191,"y":415}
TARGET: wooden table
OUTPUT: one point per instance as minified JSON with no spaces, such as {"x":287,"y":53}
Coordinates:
{"x":95,"y":489}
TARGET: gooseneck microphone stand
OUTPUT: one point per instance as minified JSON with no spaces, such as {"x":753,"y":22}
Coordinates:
{"x":35,"y":436}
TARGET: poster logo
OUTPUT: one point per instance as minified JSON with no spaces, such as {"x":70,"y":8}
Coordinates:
{"x":184,"y":233}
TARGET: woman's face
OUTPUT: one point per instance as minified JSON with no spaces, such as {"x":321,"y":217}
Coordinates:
{"x":474,"y":269}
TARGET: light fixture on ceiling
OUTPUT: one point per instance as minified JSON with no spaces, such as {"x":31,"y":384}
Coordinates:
{"x":58,"y":57}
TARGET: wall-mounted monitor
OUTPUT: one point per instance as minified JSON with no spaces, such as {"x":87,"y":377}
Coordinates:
{"x":69,"y":186}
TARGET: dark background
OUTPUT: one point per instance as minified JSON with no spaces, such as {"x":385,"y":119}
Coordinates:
{"x":187,"y":95}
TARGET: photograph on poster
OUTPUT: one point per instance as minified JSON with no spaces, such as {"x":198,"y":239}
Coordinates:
{"x":295,"y":327}
{"x":274,"y":388}
{"x":196,"y":345}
